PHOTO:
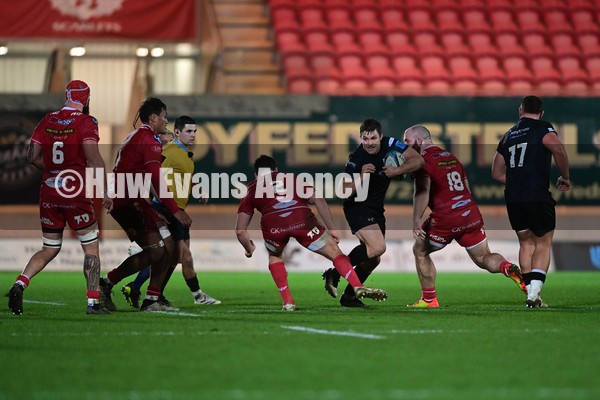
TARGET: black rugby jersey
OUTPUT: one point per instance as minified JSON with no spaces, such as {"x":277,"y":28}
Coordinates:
{"x":378,"y":183}
{"x":527,"y":160}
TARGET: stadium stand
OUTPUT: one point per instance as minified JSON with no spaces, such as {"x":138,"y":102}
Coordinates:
{"x":491,"y":47}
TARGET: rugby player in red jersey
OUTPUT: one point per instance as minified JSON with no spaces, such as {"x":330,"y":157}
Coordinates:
{"x":63,"y":145}
{"x":286,"y":214}
{"x":140,"y":154}
{"x":442,"y":185}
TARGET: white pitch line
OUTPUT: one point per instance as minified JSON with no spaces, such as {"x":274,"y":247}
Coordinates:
{"x":334,"y":333}
{"x":51,"y":303}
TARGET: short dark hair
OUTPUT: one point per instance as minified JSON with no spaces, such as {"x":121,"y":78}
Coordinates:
{"x":264,"y":162}
{"x":370,"y":125}
{"x":182,"y":121}
{"x":151,"y":105}
{"x":531,"y":105}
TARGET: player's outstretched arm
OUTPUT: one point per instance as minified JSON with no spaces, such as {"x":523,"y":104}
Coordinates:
{"x":325,"y":213}
{"x":420,"y":202}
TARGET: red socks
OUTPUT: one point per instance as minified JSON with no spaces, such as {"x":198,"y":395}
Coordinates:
{"x":344,"y":267}
{"x":504,"y":266}
{"x":279,"y":274}
{"x":428,"y":294}
{"x":23,"y":280}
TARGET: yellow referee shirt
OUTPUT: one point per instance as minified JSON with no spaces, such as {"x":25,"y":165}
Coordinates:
{"x":176,"y":156}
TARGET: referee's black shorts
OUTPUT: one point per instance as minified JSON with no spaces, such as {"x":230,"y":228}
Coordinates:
{"x":539,"y":217}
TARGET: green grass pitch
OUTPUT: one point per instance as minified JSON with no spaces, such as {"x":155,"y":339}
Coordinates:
{"x":482,"y":343}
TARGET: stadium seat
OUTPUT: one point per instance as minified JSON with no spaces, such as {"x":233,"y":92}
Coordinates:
{"x":445,"y":5}
{"x":364,"y":4}
{"x":344,"y":42}
{"x":356,"y":85}
{"x":570,"y":70}
{"x":323,"y":64}
{"x":434,"y":68}
{"x":466,"y":87}
{"x":549,"y":87}
{"x":503,"y":21}
{"x":448,"y":21}
{"x":477,"y":5}
{"x":549,"y":5}
{"x":406,"y":68}
{"x":493,"y":87}
{"x":438,"y":87}
{"x":426,"y":44}
{"x":352,"y":67}
{"x":303,"y":4}
{"x":290,"y":41}
{"x":489,"y":69}
{"x":461,"y":68}
{"x":276,"y":4}
{"x":519,"y":87}
{"x":481,"y":44}
{"x":420,"y":21}
{"x":378,"y":66}
{"x":318,"y":41}
{"x":556,"y":21}
{"x":544,"y":70}
{"x":367,"y":19}
{"x":508,"y":45}
{"x":300,"y":85}
{"x":535,"y":45}
{"x":454,"y":45}
{"x":530,"y":22}
{"x":372,"y":42}
{"x":589,"y":44}
{"x":329,"y":85}
{"x":383,"y":86}
{"x":417,"y":5}
{"x":312,"y":19}
{"x":393,"y":20}
{"x":339,"y":18}
{"x":475,"y":21}
{"x":295,"y":61}
{"x":582,"y":4}
{"x":592,"y":65}
{"x":584,"y":21}
{"x":516,"y":69}
{"x":400,"y":43}
{"x":563,"y":45}
{"x":285,"y":18}
{"x":500,"y":5}
{"x":410,"y":86}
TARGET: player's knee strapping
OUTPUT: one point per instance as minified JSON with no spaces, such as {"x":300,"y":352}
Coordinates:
{"x":89,"y":238}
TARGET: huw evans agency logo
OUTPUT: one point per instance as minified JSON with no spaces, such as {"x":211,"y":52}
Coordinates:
{"x":87,"y":9}
{"x":15,"y":135}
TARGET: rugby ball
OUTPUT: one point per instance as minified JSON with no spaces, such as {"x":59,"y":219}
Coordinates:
{"x":394,"y":158}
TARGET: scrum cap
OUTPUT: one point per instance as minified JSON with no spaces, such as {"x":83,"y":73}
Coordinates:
{"x":78,"y":92}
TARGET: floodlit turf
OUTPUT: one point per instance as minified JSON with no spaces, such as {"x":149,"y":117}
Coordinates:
{"x":480,"y":344}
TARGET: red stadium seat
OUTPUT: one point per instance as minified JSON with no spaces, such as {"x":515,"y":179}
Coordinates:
{"x":461,"y":68}
{"x":324,"y":64}
{"x":516,"y":69}
{"x":372,"y":43}
{"x":499,"y":5}
{"x":592,"y":65}
{"x":453,"y":45}
{"x":549,"y":87}
{"x":434,"y":68}
{"x":339,"y":18}
{"x":550,"y":5}
{"x":476,"y":21}
{"x":400,"y":43}
{"x":384,"y":85}
{"x":508,"y":44}
{"x":448,"y":20}
{"x":503,"y":21}
{"x":582,"y":4}
{"x":589,"y":44}
{"x":406,"y":68}
{"x":295,"y":61}
{"x":556,"y":21}
{"x":519,"y":87}
{"x":420,"y":21}
{"x":445,"y":5}
{"x":312,"y":19}
{"x":472,"y":5}
{"x":489,"y":69}
{"x":378,"y":66}
{"x":318,"y":41}
{"x":584,"y":21}
{"x":344,"y":42}
{"x":300,"y":85}
{"x":327,"y":85}
{"x":352,"y":67}
{"x":493,"y":87}
{"x":544,"y":70}
{"x":367,"y":19}
{"x":535,"y":45}
{"x":481,"y":44}
{"x":426,"y":44}
{"x":571,"y":70}
{"x":466,"y":87}
{"x":285,"y":18}
{"x":290,"y":41}
{"x":530,"y":22}
{"x":417,"y":5}
{"x":564,"y":45}
{"x":393,"y":20}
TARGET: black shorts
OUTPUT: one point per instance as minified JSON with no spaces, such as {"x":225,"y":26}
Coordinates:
{"x":176,"y":228}
{"x":360,"y":217}
{"x":538,"y":217}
